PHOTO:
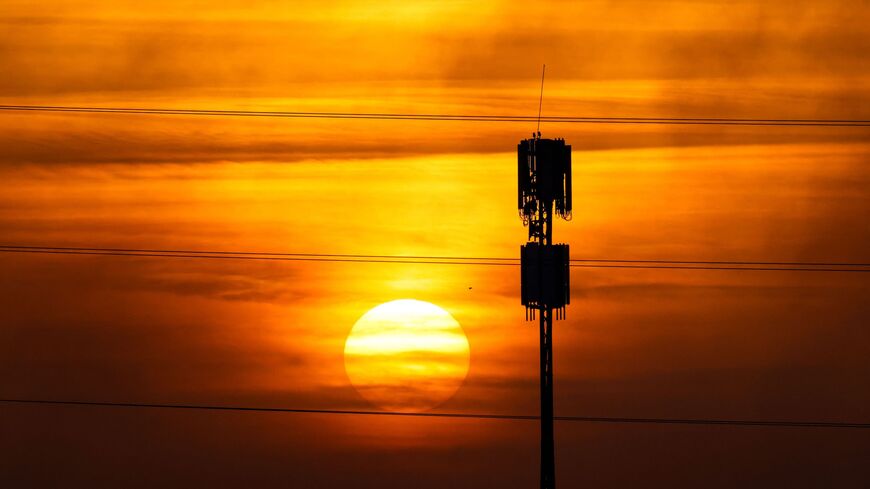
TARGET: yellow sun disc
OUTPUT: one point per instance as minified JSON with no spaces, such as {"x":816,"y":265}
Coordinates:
{"x":406,"y":355}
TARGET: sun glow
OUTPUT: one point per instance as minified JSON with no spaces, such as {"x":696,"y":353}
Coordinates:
{"x":406,"y":355}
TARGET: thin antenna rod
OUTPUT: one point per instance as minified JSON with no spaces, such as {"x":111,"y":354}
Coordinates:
{"x":541,"y":100}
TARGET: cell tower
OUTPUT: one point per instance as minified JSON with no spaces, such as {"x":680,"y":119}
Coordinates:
{"x":544,"y":171}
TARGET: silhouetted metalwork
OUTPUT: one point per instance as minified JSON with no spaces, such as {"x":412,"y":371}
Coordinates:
{"x":544,"y":187}
{"x":550,"y":262}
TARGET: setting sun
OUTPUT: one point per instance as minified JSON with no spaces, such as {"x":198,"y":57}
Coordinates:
{"x":406,"y":355}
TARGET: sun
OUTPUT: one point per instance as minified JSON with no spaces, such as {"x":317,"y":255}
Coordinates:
{"x":406,"y":355}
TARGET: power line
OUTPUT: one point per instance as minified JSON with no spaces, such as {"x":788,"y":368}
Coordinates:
{"x":246,"y":257}
{"x":444,"y":260}
{"x":444,"y":117}
{"x":518,"y":417}
{"x":435,"y":257}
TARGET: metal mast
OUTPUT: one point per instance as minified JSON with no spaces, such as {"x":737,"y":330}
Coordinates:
{"x":544,"y":186}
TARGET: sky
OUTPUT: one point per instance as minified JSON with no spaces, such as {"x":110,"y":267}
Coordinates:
{"x":635,"y":343}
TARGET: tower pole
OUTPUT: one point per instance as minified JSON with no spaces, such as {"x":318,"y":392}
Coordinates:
{"x":548,"y":462}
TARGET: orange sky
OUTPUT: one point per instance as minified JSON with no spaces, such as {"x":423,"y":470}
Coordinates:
{"x":636,"y":342}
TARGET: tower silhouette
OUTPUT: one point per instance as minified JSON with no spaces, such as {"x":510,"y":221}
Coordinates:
{"x":544,"y":187}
